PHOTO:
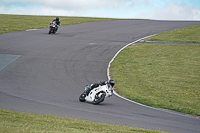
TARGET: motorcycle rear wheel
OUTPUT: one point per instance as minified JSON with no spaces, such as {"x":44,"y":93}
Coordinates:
{"x":99,"y":99}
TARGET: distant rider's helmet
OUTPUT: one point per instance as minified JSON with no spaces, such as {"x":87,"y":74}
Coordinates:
{"x":111,"y":82}
{"x":57,"y":18}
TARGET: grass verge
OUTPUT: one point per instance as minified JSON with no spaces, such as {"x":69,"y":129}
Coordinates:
{"x":160,"y":75}
{"x":11,"y":122}
{"x":24,"y":22}
{"x":188,"y":34}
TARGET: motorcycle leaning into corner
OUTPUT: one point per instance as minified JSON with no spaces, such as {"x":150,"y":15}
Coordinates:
{"x":53,"y":27}
{"x":96,"y":95}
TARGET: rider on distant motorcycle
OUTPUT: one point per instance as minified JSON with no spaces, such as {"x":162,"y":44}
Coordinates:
{"x":57,"y":22}
{"x":110,"y":82}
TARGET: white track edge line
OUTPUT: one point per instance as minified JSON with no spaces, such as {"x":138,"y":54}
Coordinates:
{"x":31,"y":29}
{"x":108,"y":75}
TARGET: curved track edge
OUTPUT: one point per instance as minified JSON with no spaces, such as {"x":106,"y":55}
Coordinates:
{"x":115,"y":93}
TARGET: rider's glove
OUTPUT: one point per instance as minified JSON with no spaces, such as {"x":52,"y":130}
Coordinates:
{"x":100,"y":83}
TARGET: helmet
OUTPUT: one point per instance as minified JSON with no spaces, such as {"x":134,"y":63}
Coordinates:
{"x":111,"y":82}
{"x":57,"y":18}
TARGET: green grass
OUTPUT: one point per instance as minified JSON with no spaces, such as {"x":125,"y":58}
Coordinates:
{"x":160,"y":75}
{"x":13,"y":23}
{"x":188,"y":34}
{"x":12,"y":122}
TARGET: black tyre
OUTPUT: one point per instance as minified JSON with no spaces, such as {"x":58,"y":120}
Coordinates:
{"x":100,"y":99}
{"x":82,"y":97}
{"x":50,"y":30}
{"x":53,"y":29}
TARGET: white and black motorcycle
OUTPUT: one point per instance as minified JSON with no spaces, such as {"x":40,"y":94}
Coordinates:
{"x":97,"y":95}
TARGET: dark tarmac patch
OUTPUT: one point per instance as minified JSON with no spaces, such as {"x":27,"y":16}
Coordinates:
{"x":7,"y":59}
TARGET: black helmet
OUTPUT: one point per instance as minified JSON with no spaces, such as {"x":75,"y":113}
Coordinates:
{"x":57,"y":18}
{"x":111,"y":82}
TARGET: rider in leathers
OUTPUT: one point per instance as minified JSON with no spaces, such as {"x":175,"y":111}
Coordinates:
{"x":57,"y":22}
{"x":95,"y":85}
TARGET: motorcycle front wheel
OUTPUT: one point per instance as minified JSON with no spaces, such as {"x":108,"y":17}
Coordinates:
{"x":54,"y":30}
{"x":98,"y":100}
{"x":82,"y":97}
{"x":50,"y":30}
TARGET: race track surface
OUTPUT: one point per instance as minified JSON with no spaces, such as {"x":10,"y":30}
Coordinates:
{"x":48,"y":73}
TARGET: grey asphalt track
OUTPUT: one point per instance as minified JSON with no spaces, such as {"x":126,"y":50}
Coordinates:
{"x":52,"y":70}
